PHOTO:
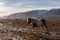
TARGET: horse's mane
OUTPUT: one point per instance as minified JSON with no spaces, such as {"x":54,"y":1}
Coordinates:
{"x":36,"y":19}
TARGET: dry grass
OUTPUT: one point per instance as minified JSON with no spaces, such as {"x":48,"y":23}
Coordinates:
{"x":30,"y":33}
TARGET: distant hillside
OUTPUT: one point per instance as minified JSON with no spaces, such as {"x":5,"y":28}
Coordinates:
{"x":53,"y":13}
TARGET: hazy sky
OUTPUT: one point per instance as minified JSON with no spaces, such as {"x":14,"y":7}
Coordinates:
{"x":11,"y":6}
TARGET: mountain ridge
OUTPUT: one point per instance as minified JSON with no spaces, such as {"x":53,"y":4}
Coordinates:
{"x":53,"y":13}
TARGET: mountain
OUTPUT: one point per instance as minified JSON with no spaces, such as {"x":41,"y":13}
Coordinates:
{"x":53,"y":13}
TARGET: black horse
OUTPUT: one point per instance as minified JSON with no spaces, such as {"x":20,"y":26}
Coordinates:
{"x":36,"y":22}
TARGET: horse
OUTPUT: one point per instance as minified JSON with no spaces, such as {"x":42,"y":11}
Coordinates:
{"x":37,"y":22}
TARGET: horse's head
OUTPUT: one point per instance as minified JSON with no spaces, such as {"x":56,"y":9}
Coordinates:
{"x":29,"y":20}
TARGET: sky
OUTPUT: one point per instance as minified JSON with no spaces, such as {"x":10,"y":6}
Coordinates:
{"x":8,"y":7}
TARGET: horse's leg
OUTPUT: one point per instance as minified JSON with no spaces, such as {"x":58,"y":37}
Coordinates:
{"x":42,"y":27}
{"x":46,"y":27}
{"x":34,"y":25}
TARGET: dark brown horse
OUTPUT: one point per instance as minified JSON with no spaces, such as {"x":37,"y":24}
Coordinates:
{"x":36,"y":22}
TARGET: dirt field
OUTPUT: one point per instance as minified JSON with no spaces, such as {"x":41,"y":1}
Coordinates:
{"x":27,"y":32}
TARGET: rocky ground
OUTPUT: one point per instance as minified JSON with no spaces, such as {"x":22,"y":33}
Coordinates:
{"x":17,"y":29}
